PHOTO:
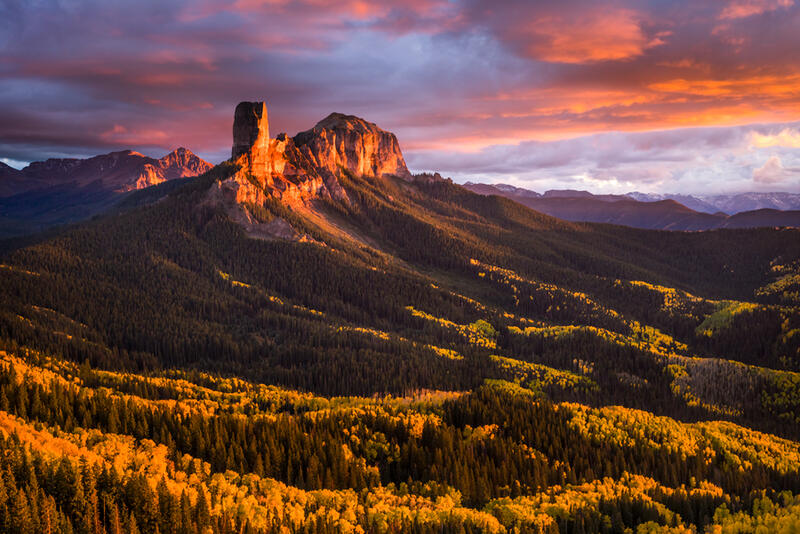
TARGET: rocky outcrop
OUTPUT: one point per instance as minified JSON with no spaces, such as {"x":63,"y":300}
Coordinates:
{"x":345,"y":141}
{"x":268,"y":166}
{"x":251,"y":134}
{"x":308,"y":166}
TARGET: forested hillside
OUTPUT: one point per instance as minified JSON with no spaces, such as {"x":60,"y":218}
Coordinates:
{"x":415,"y":358}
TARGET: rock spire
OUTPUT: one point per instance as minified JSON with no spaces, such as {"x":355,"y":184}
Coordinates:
{"x":251,"y":132}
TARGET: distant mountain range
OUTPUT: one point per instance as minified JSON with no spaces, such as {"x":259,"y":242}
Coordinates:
{"x":729,"y":204}
{"x":60,"y":191}
{"x":657,"y":212}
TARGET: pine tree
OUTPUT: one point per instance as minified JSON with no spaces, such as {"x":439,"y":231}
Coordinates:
{"x":202,"y":513}
{"x":133,"y":528}
{"x":20,"y":514}
{"x":115,"y":519}
{"x":185,"y":514}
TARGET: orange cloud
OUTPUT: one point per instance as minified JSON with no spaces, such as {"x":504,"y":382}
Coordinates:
{"x":788,"y":86}
{"x":554,"y":100}
{"x":690,"y":64}
{"x":600,"y":35}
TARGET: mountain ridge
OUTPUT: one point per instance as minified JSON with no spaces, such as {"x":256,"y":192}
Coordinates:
{"x":729,"y":204}
{"x":120,"y":171}
{"x":661,"y":214}
{"x":54,"y":192}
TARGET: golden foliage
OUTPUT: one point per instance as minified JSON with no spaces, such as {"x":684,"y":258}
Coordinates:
{"x":536,"y":376}
{"x":480,"y":333}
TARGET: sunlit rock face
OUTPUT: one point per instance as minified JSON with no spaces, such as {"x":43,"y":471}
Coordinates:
{"x":267,"y":167}
{"x":251,"y":135}
{"x":297,"y":170}
{"x":352,"y":143}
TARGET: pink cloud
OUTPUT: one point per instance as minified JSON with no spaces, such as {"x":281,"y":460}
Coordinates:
{"x":120,"y":134}
{"x":773,"y":172}
{"x":737,"y":9}
{"x":597,"y":35}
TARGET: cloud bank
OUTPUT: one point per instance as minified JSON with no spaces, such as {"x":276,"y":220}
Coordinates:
{"x":645,"y":95}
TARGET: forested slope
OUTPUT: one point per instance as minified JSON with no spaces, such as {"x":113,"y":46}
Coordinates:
{"x":542,"y":374}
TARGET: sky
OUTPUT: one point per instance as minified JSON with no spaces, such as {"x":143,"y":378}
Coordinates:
{"x":696,"y":96}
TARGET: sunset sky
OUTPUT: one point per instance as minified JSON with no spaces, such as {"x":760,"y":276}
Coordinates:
{"x":693,"y":97}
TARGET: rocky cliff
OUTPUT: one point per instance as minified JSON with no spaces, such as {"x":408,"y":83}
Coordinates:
{"x":344,"y":141}
{"x":308,"y":166}
{"x":251,"y":135}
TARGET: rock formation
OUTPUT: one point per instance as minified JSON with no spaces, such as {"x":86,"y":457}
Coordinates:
{"x":300,"y":169}
{"x":352,"y":143}
{"x":267,"y":167}
{"x":251,"y":134}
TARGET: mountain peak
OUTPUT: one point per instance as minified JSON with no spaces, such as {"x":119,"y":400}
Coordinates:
{"x":350,"y":142}
{"x":341,"y":121}
{"x":180,"y":163}
{"x":181,"y":151}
